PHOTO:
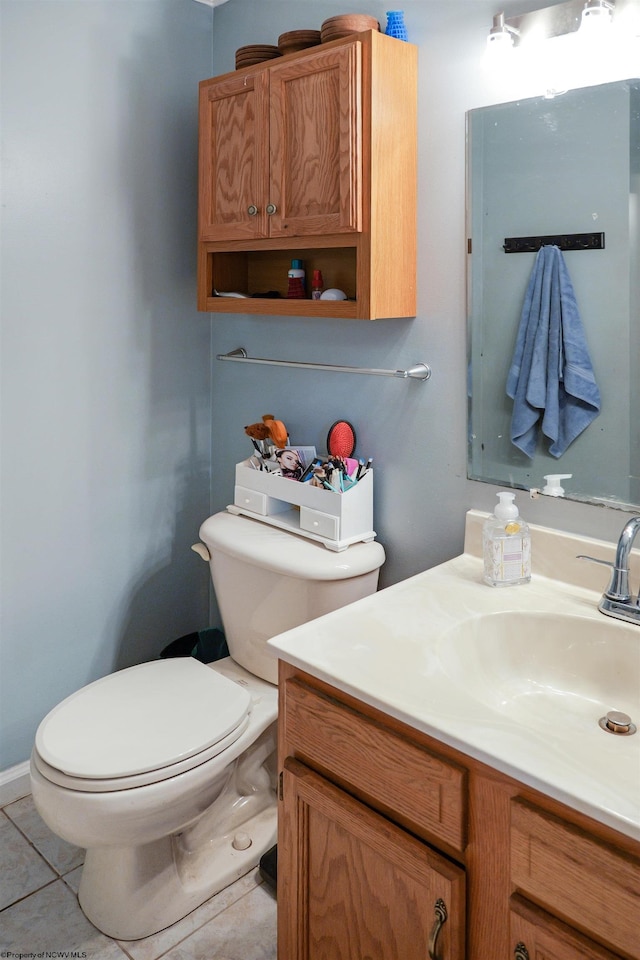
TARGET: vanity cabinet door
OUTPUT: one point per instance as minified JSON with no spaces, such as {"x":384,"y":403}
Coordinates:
{"x":585,"y":882}
{"x":537,"y":936}
{"x":354,"y":886}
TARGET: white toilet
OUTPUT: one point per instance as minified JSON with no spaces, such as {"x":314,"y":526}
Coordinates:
{"x":166,"y":772}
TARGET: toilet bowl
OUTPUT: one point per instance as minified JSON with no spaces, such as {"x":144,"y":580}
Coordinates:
{"x":165,"y":772}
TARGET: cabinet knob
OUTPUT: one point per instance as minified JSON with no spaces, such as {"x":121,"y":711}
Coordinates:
{"x":252,"y":210}
{"x":271,"y":209}
{"x":520,"y":952}
{"x":441,"y":916}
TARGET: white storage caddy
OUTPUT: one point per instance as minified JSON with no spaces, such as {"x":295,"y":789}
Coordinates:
{"x":335,"y":519}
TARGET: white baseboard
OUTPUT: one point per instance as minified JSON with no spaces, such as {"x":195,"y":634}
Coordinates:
{"x":14,"y":783}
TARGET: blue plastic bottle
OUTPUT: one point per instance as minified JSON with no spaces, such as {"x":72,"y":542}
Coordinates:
{"x":395,"y":24}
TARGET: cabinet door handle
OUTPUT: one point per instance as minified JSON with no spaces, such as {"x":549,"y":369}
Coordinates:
{"x":252,"y":210}
{"x":441,"y":916}
{"x":520,"y":952}
{"x":271,"y":209}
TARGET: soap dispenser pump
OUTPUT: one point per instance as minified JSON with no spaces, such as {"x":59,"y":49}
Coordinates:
{"x":506,"y":544}
{"x":553,"y":488}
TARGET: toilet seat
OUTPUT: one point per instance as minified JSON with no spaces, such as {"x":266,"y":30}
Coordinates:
{"x":141,"y":725}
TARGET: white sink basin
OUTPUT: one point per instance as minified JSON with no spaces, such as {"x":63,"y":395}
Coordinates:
{"x":546,"y":668}
{"x":517,"y":678}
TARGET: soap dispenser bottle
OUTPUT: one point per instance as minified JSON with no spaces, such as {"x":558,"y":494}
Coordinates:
{"x":506,"y":545}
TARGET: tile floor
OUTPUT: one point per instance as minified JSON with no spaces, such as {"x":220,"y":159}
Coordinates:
{"x":39,"y":911}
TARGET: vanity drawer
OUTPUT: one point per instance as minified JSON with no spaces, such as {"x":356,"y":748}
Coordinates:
{"x":545,"y":938}
{"x":390,"y":773}
{"x":578,"y":878}
{"x":324,"y":524}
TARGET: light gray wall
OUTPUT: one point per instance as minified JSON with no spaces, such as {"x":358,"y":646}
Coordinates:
{"x":105,"y":361}
{"x":416,"y":432}
{"x":105,"y":405}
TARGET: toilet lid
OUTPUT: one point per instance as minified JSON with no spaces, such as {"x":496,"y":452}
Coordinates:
{"x":142,"y":718}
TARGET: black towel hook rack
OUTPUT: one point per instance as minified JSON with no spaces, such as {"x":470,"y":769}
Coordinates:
{"x":565,"y":241}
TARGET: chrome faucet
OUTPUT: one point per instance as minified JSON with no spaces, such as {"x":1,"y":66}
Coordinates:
{"x":617,"y":600}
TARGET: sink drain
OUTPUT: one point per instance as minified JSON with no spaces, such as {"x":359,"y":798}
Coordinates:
{"x":618,"y":723}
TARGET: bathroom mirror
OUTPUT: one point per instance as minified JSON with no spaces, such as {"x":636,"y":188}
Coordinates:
{"x":550,"y":168}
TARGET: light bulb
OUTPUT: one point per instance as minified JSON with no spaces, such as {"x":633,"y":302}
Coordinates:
{"x":501,"y":36}
{"x":501,"y":40}
{"x":597,"y":15}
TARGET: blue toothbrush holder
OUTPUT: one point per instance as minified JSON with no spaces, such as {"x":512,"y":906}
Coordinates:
{"x":396,"y":25}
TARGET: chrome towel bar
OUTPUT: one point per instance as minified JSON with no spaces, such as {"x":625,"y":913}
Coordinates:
{"x":419,"y":371}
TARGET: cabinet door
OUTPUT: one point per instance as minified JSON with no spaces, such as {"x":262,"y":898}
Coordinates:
{"x":316,"y":143}
{"x":233,"y":158}
{"x":537,"y":936}
{"x":354,"y":886}
{"x":588,"y":883}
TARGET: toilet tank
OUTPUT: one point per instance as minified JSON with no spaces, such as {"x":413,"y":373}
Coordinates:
{"x":268,"y":580}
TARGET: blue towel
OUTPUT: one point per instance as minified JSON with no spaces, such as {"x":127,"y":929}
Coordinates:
{"x":551,"y":376}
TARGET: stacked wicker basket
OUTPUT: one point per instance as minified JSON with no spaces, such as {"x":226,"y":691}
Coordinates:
{"x":341,"y":26}
{"x":255,"y":53}
{"x":294,"y":40}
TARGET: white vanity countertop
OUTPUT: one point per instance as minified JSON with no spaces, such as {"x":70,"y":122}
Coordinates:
{"x":394,"y":651}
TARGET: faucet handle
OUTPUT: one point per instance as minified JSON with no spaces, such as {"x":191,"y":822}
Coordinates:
{"x":583,"y":556}
{"x":619,"y":585}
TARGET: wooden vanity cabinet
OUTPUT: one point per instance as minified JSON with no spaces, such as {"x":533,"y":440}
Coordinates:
{"x":384,"y":831}
{"x":356,"y":877}
{"x":311,"y":155}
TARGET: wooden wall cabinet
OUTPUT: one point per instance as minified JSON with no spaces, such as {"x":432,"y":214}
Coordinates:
{"x":311,"y":155}
{"x":393,"y":846}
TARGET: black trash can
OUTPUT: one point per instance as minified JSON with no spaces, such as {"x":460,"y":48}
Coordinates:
{"x":204,"y":645}
{"x":269,"y":866}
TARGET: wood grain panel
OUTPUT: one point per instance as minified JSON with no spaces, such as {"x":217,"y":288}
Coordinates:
{"x":233,"y":165}
{"x":547,"y":939}
{"x":576,"y":877}
{"x":487,"y":861}
{"x":389,"y":772}
{"x":370,"y":887}
{"x":393,"y":163}
{"x":316,"y":162}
